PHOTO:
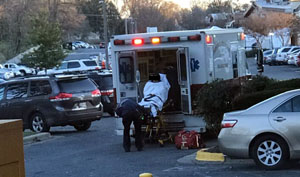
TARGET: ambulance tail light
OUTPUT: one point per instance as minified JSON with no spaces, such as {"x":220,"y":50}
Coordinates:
{"x":173,"y":39}
{"x":137,"y":41}
{"x":119,"y":42}
{"x":194,"y":38}
{"x":155,"y":40}
{"x":242,"y":36}
{"x":208,"y":39}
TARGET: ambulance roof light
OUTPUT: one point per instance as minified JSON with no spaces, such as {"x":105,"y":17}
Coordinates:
{"x":155,"y":40}
{"x":173,"y":39}
{"x":242,"y":36}
{"x":196,"y":37}
{"x":137,"y":41}
{"x":119,"y":42}
{"x":208,"y":39}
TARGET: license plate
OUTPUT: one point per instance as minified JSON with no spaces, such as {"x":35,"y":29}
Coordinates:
{"x":79,"y":106}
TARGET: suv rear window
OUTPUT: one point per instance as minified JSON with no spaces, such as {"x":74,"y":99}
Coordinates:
{"x":73,"y":65}
{"x":38,"y":88}
{"x":90,"y":63}
{"x":76,"y":85}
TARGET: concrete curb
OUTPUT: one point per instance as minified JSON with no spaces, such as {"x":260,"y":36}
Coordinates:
{"x":36,"y":138}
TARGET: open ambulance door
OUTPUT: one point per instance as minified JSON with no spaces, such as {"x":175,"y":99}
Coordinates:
{"x":126,"y":75}
{"x":184,"y":79}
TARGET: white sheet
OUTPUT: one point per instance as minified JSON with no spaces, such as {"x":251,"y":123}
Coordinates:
{"x":160,"y":90}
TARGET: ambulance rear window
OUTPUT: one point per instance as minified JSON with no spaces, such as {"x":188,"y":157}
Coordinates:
{"x":126,"y":70}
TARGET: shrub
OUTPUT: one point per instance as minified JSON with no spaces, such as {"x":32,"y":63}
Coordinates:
{"x":213,"y":100}
{"x":291,"y":84}
{"x":257,"y":83}
{"x":247,"y":100}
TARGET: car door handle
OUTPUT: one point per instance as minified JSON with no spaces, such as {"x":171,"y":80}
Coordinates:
{"x":28,"y":100}
{"x":279,"y":119}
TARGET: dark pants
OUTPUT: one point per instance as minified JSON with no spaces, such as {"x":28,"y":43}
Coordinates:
{"x":137,"y":122}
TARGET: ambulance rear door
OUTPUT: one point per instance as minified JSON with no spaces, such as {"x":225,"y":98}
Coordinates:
{"x":126,"y":75}
{"x":184,"y":79}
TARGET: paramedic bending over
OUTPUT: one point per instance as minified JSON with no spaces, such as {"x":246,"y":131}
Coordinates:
{"x":130,"y":112}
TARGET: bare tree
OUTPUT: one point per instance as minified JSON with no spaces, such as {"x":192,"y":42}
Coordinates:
{"x":257,"y":26}
{"x":261,"y":23}
{"x":281,"y":27}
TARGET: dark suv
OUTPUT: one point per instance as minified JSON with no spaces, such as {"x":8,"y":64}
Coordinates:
{"x":105,"y":85}
{"x":45,"y":101}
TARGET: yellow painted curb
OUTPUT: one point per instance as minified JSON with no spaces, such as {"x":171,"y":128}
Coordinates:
{"x":202,"y":155}
{"x":145,"y":175}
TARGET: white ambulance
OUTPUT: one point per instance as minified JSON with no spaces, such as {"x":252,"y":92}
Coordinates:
{"x":192,"y":58}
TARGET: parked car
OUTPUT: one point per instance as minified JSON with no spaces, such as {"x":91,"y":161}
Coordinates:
{"x":271,"y":59}
{"x":73,"y":66}
{"x":267,"y":53}
{"x":292,"y":57}
{"x":19,"y":69}
{"x":43,"y":102}
{"x":268,"y":132}
{"x":281,"y":57}
{"x":105,"y":84}
{"x":81,"y":44}
{"x":5,"y":73}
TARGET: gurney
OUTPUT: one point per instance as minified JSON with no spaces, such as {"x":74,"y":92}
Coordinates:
{"x":155,"y":97}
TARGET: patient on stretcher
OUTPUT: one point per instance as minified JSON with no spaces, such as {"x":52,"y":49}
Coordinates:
{"x":155,"y":93}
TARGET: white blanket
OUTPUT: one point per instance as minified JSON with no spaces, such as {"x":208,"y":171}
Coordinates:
{"x":156,"y":94}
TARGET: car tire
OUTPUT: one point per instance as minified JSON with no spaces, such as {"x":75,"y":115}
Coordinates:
{"x":23,"y":73}
{"x":38,"y":123}
{"x":270,"y":152}
{"x":83,"y":126}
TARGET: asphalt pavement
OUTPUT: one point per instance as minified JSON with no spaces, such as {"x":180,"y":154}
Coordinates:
{"x":279,"y":72}
{"x":98,"y":152}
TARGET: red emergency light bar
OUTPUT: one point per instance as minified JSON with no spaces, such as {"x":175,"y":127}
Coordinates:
{"x":194,"y":38}
{"x":137,"y":41}
{"x":119,"y":42}
{"x":173,"y":39}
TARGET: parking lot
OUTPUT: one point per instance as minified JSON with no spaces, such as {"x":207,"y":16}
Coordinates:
{"x":99,"y":152}
{"x":279,"y":72}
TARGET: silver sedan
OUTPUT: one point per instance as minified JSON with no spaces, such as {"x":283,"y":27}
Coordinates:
{"x":268,"y":132}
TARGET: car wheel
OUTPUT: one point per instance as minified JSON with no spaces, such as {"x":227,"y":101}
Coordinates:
{"x":38,"y":123}
{"x":83,"y":127}
{"x":23,"y":73}
{"x":270,"y":152}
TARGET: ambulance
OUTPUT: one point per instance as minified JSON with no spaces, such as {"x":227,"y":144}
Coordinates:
{"x":190,"y":58}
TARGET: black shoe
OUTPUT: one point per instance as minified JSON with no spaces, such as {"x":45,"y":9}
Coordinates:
{"x":127,"y":149}
{"x":140,"y":149}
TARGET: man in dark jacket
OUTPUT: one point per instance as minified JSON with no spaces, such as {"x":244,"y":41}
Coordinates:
{"x":130,"y":111}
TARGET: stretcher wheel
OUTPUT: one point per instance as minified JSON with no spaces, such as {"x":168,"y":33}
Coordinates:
{"x":161,"y":143}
